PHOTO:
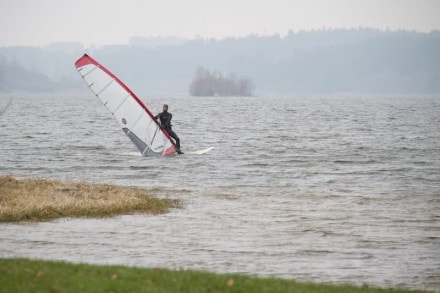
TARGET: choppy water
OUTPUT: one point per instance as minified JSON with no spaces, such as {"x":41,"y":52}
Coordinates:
{"x":330,"y":189}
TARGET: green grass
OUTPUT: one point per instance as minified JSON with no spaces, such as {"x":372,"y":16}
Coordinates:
{"x":21,"y":275}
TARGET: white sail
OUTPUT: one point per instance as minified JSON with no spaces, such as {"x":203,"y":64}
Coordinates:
{"x":131,"y":113}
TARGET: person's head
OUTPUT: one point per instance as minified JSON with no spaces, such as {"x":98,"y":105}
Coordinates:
{"x":165,"y":107}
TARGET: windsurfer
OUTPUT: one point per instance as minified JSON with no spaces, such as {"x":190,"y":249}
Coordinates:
{"x":165,"y":123}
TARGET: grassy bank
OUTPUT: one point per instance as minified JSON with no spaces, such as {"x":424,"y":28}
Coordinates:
{"x":20,"y":275}
{"x":39,"y":200}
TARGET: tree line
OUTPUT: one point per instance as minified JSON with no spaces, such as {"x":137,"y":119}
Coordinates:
{"x":352,"y":61}
{"x":213,"y":83}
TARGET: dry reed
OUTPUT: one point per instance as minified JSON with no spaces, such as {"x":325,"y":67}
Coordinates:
{"x":40,"y":199}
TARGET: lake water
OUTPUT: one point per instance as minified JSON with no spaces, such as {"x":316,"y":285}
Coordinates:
{"x":324,"y":189}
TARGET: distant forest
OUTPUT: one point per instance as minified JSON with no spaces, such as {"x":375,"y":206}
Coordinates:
{"x":207,"y":83}
{"x":352,"y":61}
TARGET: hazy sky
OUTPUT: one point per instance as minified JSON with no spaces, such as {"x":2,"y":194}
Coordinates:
{"x":40,"y":22}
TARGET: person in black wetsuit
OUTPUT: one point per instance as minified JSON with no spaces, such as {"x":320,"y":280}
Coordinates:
{"x":165,"y":122}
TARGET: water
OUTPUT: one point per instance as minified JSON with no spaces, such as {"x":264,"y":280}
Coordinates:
{"x":325,"y":189}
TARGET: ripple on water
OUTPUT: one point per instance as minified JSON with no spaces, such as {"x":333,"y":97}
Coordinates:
{"x":335,"y":190}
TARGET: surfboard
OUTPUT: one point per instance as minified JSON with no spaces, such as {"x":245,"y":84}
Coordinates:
{"x":200,"y":152}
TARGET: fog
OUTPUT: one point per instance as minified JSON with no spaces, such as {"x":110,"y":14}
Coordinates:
{"x":102,"y":22}
{"x":279,"y":47}
{"x":357,"y":61}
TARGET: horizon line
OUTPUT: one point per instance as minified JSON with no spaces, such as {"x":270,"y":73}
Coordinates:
{"x":222,"y":38}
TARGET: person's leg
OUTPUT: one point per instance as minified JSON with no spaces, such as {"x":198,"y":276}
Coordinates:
{"x":176,"y":138}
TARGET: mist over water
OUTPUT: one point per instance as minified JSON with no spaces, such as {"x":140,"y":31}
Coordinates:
{"x":327,"y":189}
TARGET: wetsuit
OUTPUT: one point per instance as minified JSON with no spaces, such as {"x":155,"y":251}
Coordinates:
{"x":165,"y":122}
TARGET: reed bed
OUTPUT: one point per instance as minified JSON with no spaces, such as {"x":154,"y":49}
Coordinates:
{"x":40,"y":200}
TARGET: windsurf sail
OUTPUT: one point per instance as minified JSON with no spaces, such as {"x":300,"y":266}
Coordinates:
{"x":133,"y":116}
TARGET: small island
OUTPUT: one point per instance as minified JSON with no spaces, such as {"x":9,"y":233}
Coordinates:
{"x":208,"y":84}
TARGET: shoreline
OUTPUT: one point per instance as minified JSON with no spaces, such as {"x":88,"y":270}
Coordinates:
{"x":48,"y":205}
{"x":37,"y":200}
{"x":26,"y":275}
